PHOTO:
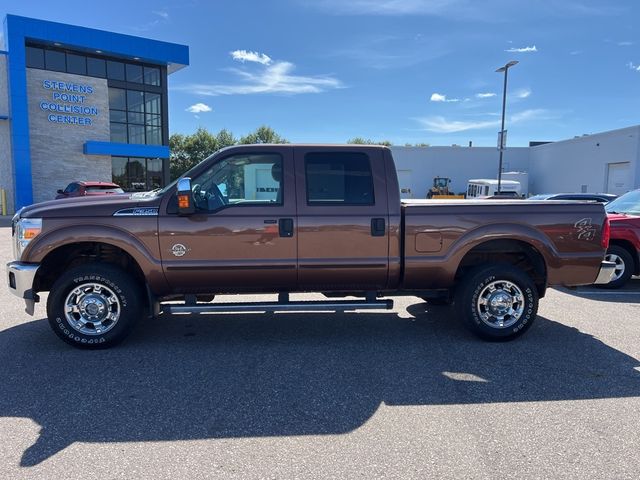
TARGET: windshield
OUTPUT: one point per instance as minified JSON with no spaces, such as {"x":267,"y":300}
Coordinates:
{"x":628,"y":203}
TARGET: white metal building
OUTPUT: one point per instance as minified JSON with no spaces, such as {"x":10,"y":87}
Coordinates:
{"x":602,"y":162}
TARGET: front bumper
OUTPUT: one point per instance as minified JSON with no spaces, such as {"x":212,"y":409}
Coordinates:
{"x":607,"y":272}
{"x":20,"y":278}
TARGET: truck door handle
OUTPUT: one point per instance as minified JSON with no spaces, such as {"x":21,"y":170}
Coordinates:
{"x":378,"y":227}
{"x":285,"y":226}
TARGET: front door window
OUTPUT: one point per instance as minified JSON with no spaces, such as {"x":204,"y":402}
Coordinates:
{"x":248,"y":179}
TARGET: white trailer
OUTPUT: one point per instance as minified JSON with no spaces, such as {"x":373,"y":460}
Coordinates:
{"x":488,"y":187}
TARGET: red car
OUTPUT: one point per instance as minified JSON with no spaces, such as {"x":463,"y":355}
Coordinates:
{"x":624,"y":247}
{"x":81,"y":189}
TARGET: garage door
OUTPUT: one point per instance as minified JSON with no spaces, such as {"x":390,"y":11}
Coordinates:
{"x":618,"y":178}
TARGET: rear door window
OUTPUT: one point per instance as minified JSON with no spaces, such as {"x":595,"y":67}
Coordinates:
{"x":338,"y":178}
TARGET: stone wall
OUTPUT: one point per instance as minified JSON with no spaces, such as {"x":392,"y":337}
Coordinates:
{"x":57,"y":156}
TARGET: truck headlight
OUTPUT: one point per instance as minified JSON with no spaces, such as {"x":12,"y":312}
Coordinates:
{"x":26,"y":229}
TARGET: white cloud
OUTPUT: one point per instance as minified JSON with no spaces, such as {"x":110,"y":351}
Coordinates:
{"x":248,"y":56}
{"x":522,"y":93}
{"x":625,"y":44}
{"x":485,"y":95}
{"x":531,"y":114}
{"x":199,"y":108}
{"x":441,"y":125}
{"x":633,"y":66}
{"x":437,"y":97}
{"x":273,"y":78}
{"x":522,"y":49}
{"x":162,"y":14}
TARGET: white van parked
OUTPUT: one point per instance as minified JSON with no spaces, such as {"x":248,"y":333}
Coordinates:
{"x":486,"y":187}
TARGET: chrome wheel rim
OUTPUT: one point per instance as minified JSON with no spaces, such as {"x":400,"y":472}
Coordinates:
{"x":92,"y":309}
{"x":500,"y":304}
{"x":620,"y":267}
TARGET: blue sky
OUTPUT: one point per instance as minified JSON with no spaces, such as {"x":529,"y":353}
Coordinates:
{"x":402,"y":70}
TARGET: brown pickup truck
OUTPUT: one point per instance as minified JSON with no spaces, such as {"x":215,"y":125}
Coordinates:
{"x":297,"y":218}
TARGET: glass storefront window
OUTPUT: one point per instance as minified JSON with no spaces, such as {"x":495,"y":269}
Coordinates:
{"x":134,"y":110}
{"x":118,"y":116}
{"x":60,"y":60}
{"x":115,"y":70}
{"x":136,"y":171}
{"x":154,"y":173}
{"x":54,"y":61}
{"x":76,"y":64}
{"x":154,"y":135}
{"x":153,"y":120}
{"x":119,"y":132}
{"x":134,"y":73}
{"x":137,"y":174}
{"x":35,"y":57}
{"x":135,"y":101}
{"x":119,"y":171}
{"x":152,"y":103}
{"x":96,"y":67}
{"x":135,"y":117}
{"x":117,"y":99}
{"x":136,"y":133}
{"x":152,"y":76}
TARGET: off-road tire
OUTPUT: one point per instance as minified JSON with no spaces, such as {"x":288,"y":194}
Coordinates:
{"x":511,"y":283}
{"x":116,"y":291}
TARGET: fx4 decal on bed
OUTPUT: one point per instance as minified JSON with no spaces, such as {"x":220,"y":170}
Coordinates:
{"x":586,"y":231}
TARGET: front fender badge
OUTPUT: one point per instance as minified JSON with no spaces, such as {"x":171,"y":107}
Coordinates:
{"x":179,"y":250}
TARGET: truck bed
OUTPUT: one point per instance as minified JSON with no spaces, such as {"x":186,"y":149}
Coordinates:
{"x":439,"y":233}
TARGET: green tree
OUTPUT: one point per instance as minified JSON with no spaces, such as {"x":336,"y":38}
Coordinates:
{"x":263,"y":134}
{"x":225,"y":138}
{"x":368,"y":141}
{"x":189,"y":150}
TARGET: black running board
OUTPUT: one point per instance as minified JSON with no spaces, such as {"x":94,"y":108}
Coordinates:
{"x":306,"y":306}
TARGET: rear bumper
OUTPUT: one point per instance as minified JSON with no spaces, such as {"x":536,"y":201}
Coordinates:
{"x":20,"y":278}
{"x":607,"y":272}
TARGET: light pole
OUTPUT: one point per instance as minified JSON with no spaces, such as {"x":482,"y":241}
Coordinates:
{"x":504,"y":69}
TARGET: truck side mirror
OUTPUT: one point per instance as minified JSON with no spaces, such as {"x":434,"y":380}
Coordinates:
{"x":185,"y":197}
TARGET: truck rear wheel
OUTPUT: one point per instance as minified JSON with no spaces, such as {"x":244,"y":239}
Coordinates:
{"x":497,"y":302}
{"x":94,"y":305}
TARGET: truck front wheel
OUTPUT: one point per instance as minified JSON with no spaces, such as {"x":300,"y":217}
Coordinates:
{"x":497,"y":302}
{"x":94,"y":305}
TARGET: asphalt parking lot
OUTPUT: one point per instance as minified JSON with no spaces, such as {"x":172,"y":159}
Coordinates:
{"x":405,"y":394}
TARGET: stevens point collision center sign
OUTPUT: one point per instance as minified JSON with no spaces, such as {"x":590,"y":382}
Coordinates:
{"x":68,"y":102}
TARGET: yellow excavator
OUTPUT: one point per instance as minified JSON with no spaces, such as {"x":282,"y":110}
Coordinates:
{"x":440,"y":189}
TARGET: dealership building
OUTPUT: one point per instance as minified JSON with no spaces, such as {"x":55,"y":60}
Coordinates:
{"x":85,"y":104}
{"x":81,"y":104}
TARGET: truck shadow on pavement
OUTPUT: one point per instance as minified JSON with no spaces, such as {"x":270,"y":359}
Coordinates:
{"x":630,"y":293}
{"x":248,"y":375}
